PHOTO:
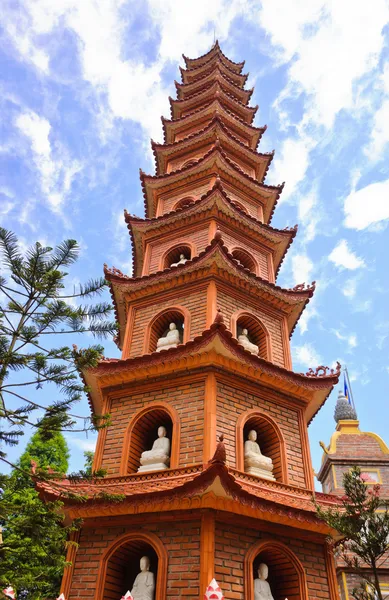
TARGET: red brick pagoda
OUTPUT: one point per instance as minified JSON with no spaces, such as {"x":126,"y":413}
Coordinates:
{"x":204,"y":334}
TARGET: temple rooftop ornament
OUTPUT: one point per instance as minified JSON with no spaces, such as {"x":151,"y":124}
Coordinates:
{"x":344,"y":411}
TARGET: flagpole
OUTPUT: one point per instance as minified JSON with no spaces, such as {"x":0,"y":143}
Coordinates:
{"x":349,"y":385}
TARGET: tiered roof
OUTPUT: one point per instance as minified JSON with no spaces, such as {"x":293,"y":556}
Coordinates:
{"x":212,"y":121}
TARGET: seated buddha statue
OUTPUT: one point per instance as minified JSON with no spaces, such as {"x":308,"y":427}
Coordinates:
{"x":262,"y":589}
{"x":158,"y":458}
{"x":170,"y":340}
{"x":182,"y":261}
{"x":245,"y":342}
{"x":144,"y":584}
{"x":255,"y":463}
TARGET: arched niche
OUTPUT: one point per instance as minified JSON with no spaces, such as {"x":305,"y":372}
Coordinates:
{"x":286,"y":573}
{"x":120,"y":565}
{"x":159,"y":326}
{"x":142,"y":430}
{"x":257,"y":332}
{"x":189,"y":163}
{"x":270,"y":440}
{"x":173,"y":254}
{"x":245,"y":259}
{"x":241,"y":206}
{"x":184,"y":203}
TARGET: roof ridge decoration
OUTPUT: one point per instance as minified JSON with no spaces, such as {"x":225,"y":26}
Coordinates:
{"x":215,"y":83}
{"x":216,"y":50}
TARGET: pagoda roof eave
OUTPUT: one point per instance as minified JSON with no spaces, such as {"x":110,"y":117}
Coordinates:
{"x":214,"y":51}
{"x":213,"y":485}
{"x":281,"y":239}
{"x":216,"y":123}
{"x":188,"y":89}
{"x":245,"y":113}
{"x":267,"y":192}
{"x":194,"y":75}
{"x":216,"y":107}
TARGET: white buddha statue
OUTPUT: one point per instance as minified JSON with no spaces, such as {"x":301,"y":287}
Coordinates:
{"x":158,"y":458}
{"x":144,"y":584}
{"x":245,"y":342}
{"x":255,"y":463}
{"x":182,"y":261}
{"x":170,"y":340}
{"x":262,"y":589}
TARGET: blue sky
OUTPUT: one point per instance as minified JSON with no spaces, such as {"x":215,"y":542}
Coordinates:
{"x":84,"y":84}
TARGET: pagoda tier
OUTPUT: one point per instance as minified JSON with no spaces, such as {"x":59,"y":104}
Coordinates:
{"x":214,"y":266}
{"x":169,"y":157}
{"x":182,"y":108}
{"x":187,"y":90}
{"x":255,"y":244}
{"x":175,"y":131}
{"x":193,"y":63}
{"x":163,"y":192}
{"x":204,"y":332}
{"x":194,"y":75}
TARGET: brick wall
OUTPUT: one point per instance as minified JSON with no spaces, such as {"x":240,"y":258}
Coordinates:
{"x":194,"y":300}
{"x":182,"y":543}
{"x":186,"y":398}
{"x":258,"y":254}
{"x":198,"y":237}
{"x":194,"y":189}
{"x":231,"y":545}
{"x":232,"y":402}
{"x":230,"y":304}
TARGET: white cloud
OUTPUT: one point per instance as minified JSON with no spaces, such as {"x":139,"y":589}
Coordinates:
{"x":290,"y":165}
{"x":307,"y":315}
{"x":349,"y":288}
{"x":344,"y":258}
{"x":367,"y":206}
{"x":351,"y":339}
{"x":333,"y":51}
{"x":83,"y":444}
{"x":56,"y":174}
{"x":307,"y":356}
{"x":330,"y":44}
{"x":133,"y":87}
{"x":302,"y":267}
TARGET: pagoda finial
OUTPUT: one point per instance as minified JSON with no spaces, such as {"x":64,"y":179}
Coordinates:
{"x":219,"y":317}
{"x":220,"y":455}
{"x":218,"y":235}
{"x":344,"y":411}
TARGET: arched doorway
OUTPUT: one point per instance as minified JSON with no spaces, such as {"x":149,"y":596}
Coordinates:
{"x":270,"y":440}
{"x":142,"y":431}
{"x":257,"y":333}
{"x":286,"y":574}
{"x":245,"y":259}
{"x":120,"y":565}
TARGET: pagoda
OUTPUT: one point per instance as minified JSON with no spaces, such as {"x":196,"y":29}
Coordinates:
{"x":349,"y":446}
{"x":208,"y":449}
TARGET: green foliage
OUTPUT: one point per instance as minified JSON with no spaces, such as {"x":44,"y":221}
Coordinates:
{"x":33,"y":552}
{"x":36,"y":308}
{"x":362,"y":519}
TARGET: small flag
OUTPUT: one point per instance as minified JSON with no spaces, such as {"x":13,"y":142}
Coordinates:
{"x":10,"y":593}
{"x":346,"y":392}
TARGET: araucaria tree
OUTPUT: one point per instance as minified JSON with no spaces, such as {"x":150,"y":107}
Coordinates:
{"x":34,"y":547}
{"x":37,"y":308}
{"x":362,"y":521}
